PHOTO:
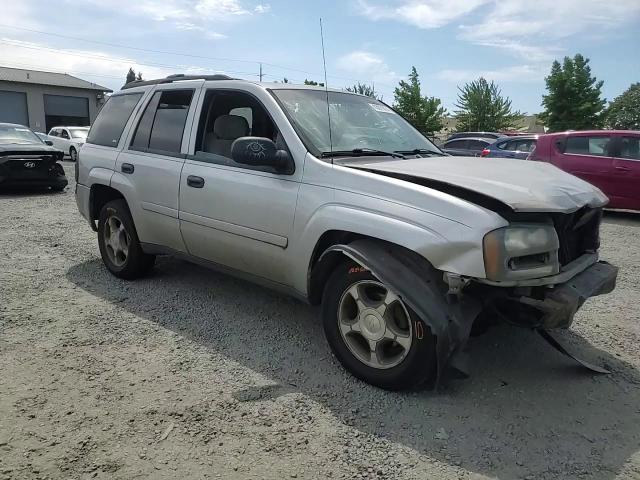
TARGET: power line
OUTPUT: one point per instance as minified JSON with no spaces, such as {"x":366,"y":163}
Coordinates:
{"x":182,"y":54}
{"x":113,"y":60}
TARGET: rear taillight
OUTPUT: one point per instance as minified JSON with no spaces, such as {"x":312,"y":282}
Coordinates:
{"x":485,"y":152}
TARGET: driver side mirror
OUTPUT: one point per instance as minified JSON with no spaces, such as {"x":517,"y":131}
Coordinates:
{"x":261,"y":151}
{"x":48,"y":142}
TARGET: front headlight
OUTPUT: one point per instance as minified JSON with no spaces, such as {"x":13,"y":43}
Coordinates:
{"x":521,"y":251}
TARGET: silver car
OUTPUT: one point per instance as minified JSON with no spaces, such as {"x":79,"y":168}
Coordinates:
{"x":336,"y":199}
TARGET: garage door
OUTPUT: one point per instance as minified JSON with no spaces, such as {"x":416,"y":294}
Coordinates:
{"x":13,"y":107}
{"x":61,"y":110}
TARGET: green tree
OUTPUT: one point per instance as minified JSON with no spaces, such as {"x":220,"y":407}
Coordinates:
{"x":424,"y":113}
{"x":131,"y":75}
{"x":481,"y":107}
{"x":573,"y":100}
{"x":364,"y":89}
{"x":313,"y":83}
{"x":624,"y":112}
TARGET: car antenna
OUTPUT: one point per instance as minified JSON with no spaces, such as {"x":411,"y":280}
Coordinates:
{"x":326,"y":89}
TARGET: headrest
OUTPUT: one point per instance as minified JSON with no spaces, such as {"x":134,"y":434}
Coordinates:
{"x":230,"y":127}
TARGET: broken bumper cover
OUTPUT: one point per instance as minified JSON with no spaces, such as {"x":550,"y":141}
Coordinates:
{"x":560,"y":304}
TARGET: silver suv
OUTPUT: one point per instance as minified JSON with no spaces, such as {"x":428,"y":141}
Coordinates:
{"x":336,"y":199}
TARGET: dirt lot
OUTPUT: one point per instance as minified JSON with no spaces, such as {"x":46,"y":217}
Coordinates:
{"x":192,"y":374}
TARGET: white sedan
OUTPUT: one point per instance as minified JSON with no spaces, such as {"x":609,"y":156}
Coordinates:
{"x":69,"y":139}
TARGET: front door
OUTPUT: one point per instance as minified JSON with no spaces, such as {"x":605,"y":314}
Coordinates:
{"x":626,"y":173}
{"x":149,"y":166}
{"x":236,"y":215}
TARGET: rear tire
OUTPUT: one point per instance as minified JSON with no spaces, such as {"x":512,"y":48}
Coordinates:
{"x":119,"y":244}
{"x":388,"y":346}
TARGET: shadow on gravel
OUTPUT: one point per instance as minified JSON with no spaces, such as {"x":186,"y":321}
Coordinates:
{"x":622,"y":217}
{"x":526,"y":412}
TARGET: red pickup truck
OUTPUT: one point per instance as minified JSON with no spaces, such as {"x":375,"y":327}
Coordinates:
{"x":608,"y":159}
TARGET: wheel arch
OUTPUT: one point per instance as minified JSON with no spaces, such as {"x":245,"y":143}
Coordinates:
{"x":100,"y":195}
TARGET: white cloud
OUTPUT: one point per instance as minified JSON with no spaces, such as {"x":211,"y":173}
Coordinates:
{"x":524,"y":28}
{"x":520,"y":73}
{"x":262,"y":8}
{"x":366,"y":66}
{"x":94,"y":65}
{"x":196,"y":15}
{"x":420,"y":13}
{"x":532,"y":30}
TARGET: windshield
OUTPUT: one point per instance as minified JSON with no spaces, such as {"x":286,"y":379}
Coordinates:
{"x":16,"y":134}
{"x":80,"y":133}
{"x":357,"y":123}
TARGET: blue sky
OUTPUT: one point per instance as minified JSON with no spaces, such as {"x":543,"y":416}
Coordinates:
{"x":449,"y":41}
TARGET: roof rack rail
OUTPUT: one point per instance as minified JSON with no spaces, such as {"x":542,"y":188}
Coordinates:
{"x":174,"y":78}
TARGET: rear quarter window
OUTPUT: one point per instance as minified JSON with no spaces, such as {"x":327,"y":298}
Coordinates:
{"x":630,"y":148}
{"x":109,"y":125}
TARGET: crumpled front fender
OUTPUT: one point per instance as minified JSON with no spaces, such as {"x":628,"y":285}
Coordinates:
{"x":413,"y":278}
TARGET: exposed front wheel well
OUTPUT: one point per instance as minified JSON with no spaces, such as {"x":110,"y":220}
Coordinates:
{"x":99,"y":196}
{"x":320,"y":271}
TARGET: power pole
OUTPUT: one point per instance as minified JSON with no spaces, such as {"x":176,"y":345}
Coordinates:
{"x":261,"y":72}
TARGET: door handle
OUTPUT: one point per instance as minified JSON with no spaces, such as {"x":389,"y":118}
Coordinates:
{"x":127,"y":168}
{"x":195,"y":182}
{"x":624,"y":169}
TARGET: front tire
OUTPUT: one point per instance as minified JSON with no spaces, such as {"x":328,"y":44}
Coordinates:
{"x":373,"y":334}
{"x":119,"y":244}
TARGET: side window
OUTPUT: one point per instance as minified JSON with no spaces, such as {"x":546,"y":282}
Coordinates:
{"x":227,"y":116}
{"x":503,"y":145}
{"x":53,"y":132}
{"x":630,"y":148}
{"x":462,"y":144}
{"x":598,"y":146}
{"x":246,"y":113}
{"x":64,"y":134}
{"x":524,"y":145}
{"x":109,"y":125}
{"x":162,"y":124}
{"x":476,"y":145}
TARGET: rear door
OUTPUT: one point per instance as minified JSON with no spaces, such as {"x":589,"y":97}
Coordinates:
{"x":587,"y":156}
{"x":625,"y":191}
{"x":150,"y":163}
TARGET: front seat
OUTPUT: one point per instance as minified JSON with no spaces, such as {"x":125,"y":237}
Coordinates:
{"x":226,"y":129}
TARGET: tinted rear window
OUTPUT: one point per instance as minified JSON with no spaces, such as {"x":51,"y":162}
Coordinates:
{"x":162,"y":124}
{"x":111,"y":120}
{"x":456,"y":144}
{"x":630,"y":148}
{"x":588,"y":145}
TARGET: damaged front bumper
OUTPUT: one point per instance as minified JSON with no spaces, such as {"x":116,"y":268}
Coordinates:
{"x":550,"y":307}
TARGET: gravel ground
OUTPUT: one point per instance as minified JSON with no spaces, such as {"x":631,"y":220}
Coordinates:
{"x":192,"y":374}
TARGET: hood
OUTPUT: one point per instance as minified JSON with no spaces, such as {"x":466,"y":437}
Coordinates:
{"x":524,"y":186}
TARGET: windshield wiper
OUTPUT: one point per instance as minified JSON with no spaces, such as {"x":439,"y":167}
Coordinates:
{"x":419,"y":151}
{"x":356,"y":152}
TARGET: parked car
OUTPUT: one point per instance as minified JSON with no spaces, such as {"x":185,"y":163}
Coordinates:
{"x":26,"y":161}
{"x":511,"y":147}
{"x":493,"y":135}
{"x":608,"y":159}
{"x":44,"y":137}
{"x":403,"y":247}
{"x":466,"y":147}
{"x":69,"y":139}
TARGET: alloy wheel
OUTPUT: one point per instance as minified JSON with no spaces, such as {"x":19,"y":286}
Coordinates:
{"x":375,"y":324}
{"x":116,"y":240}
